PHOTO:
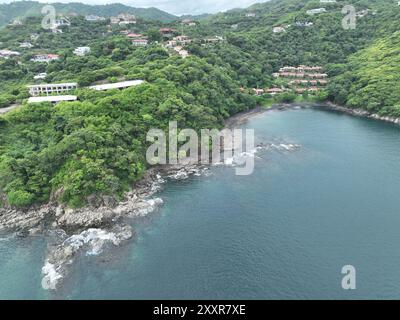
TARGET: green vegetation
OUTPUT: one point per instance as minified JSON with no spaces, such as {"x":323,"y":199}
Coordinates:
{"x":371,"y":79}
{"x":96,"y":146}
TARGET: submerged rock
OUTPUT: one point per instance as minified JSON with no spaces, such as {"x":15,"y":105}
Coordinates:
{"x":61,"y":256}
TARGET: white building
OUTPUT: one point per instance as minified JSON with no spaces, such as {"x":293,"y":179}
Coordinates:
{"x":183,"y":53}
{"x":61,"y":21}
{"x":278,"y":29}
{"x":52,"y":99}
{"x":8,"y":53}
{"x":40,"y":76}
{"x":303,"y":24}
{"x":327,"y":1}
{"x":182,"y":40}
{"x":250,"y":15}
{"x":123,"y":19}
{"x":51,"y":88}
{"x":362,"y":13}
{"x":117,"y":85}
{"x":82,"y":51}
{"x":140,"y":42}
{"x":26,"y":45}
{"x":34,"y":36}
{"x":93,"y":18}
{"x":316,"y":11}
{"x":45,"y":58}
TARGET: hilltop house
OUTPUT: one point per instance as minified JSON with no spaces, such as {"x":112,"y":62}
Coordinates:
{"x":250,"y":14}
{"x":189,"y":22}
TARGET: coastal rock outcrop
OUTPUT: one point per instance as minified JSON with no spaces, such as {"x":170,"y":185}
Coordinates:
{"x":91,"y":241}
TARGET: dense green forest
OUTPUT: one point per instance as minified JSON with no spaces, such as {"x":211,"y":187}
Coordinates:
{"x":96,"y":145}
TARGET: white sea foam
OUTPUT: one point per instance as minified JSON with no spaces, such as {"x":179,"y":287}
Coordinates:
{"x":51,"y":276}
{"x":92,"y":240}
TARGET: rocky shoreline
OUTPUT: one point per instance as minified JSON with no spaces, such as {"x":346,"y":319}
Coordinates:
{"x":359,"y":113}
{"x":329,"y":106}
{"x":88,"y":230}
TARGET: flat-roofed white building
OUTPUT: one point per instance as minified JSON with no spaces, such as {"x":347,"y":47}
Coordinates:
{"x":52,"y":99}
{"x":40,"y":76}
{"x":316,"y":11}
{"x":8,"y":53}
{"x":140,"y":42}
{"x":51,"y":88}
{"x":45,"y":58}
{"x":26,"y":45}
{"x":117,"y":85}
{"x":92,"y":17}
{"x":82,"y":51}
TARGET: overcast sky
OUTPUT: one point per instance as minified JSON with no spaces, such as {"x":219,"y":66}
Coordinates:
{"x":177,"y":7}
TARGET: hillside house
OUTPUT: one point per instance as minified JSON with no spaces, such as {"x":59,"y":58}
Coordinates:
{"x":94,"y":18}
{"x":274,"y":91}
{"x":8,"y":53}
{"x":182,"y":40}
{"x":34,"y":36}
{"x":303,"y":24}
{"x":40,"y":76}
{"x":51,"y":88}
{"x":134,"y":35}
{"x":140,"y":42}
{"x":278,"y":29}
{"x":316,"y":11}
{"x":258,"y":92}
{"x":81,"y":51}
{"x":52,"y":99}
{"x":26,"y":45}
{"x":167,"y":32}
{"x":117,"y":85}
{"x":123,"y":19}
{"x":61,"y":21}
{"x":45,"y":58}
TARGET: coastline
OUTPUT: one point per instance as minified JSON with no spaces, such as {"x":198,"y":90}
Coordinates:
{"x":104,"y":211}
{"x":357,"y":112}
{"x":107,"y":220}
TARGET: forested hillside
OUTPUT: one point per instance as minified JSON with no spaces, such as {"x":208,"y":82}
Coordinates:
{"x":96,"y":145}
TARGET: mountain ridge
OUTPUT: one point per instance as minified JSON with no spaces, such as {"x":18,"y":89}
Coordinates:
{"x":23,"y":9}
